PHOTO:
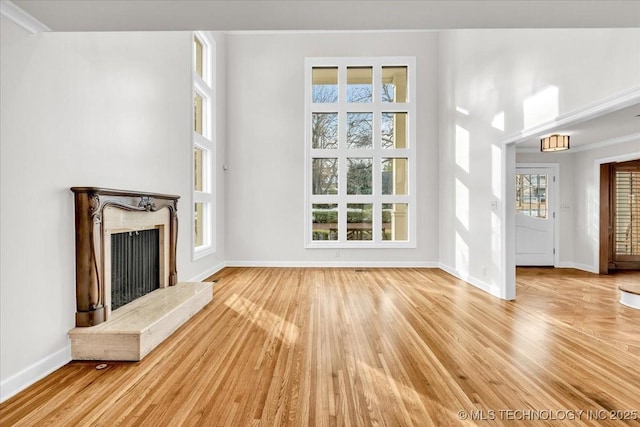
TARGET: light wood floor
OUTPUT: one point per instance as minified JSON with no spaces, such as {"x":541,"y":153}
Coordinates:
{"x":393,"y":347}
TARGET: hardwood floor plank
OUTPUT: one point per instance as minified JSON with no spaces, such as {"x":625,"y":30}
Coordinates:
{"x":347,"y":347}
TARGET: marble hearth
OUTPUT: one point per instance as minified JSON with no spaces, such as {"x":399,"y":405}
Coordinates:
{"x":138,"y":327}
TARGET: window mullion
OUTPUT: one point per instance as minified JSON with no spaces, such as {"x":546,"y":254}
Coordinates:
{"x":342,"y":84}
{"x":377,"y":84}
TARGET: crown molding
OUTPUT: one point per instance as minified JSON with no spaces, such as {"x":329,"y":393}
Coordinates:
{"x":21,"y":18}
{"x":313,"y":32}
{"x":609,"y":142}
{"x":616,"y":102}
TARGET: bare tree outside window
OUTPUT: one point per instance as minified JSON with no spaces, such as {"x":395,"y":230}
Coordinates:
{"x":359,"y":130}
{"x":388,"y":90}
{"x":324,"y":133}
{"x":325,"y":85}
{"x":359,"y":87}
{"x":325,"y":176}
{"x":394,"y":130}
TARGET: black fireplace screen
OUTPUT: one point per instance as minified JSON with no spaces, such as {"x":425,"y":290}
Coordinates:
{"x":135,"y":265}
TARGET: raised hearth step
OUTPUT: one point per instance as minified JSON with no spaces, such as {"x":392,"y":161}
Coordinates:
{"x":630,"y":295}
{"x":138,"y":327}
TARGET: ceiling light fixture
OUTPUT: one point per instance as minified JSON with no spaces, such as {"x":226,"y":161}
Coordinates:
{"x":554,"y":143}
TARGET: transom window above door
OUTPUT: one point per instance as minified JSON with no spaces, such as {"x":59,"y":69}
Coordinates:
{"x":360,"y":148}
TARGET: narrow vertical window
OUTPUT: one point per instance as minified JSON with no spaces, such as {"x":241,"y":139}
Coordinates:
{"x":203,"y":144}
{"x":360,"y":147}
{"x":197,"y":56}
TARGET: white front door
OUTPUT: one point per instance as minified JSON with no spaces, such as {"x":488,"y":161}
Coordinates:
{"x":535,"y":216}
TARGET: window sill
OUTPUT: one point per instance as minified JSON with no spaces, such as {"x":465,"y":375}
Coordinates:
{"x":360,"y":245}
{"x":201,"y":252}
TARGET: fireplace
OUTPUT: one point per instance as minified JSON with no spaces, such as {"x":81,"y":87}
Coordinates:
{"x":127,"y":293}
{"x":125,"y":242}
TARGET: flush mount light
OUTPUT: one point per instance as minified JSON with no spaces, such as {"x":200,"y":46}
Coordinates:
{"x":554,"y":143}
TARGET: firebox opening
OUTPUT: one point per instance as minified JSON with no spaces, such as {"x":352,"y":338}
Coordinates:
{"x":135,"y":265}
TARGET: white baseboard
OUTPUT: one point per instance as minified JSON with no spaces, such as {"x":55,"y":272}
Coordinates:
{"x":333,"y":264}
{"x":31,"y":374}
{"x":474,"y":281}
{"x":578,"y":266}
{"x":211,"y":271}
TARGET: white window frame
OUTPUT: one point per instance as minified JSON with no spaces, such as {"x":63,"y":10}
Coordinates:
{"x":377,"y":107}
{"x":205,"y":87}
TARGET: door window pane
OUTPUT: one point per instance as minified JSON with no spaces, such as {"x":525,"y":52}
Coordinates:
{"x":395,"y":221}
{"x":359,"y":84}
{"x":359,"y":130}
{"x":324,"y":130}
{"x":394,"y":84}
{"x":359,"y":175}
{"x":324,"y":85}
{"x":325,"y":176}
{"x":531,"y":195}
{"x":359,"y":221}
{"x":325,"y":221}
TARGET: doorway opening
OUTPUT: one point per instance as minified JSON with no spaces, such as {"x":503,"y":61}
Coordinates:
{"x":619,"y":216}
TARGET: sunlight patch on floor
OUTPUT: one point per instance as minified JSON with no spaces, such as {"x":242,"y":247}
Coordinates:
{"x":269,"y":322}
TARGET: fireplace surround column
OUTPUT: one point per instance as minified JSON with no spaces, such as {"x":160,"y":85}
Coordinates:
{"x":90,"y":203}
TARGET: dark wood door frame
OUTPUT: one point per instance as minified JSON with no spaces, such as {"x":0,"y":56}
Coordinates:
{"x":607,"y":259}
{"x":605,"y":221}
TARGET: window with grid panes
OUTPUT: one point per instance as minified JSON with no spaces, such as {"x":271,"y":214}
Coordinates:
{"x":360,"y":152}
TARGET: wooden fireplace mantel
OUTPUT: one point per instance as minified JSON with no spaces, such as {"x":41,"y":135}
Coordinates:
{"x":90,"y":203}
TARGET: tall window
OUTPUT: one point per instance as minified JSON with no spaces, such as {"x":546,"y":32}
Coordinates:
{"x":204,"y":144}
{"x":360,"y":152}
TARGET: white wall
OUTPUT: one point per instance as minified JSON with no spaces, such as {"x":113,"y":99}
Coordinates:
{"x":81,"y":109}
{"x":587,"y":188}
{"x":265,"y":192}
{"x":530,"y":76}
